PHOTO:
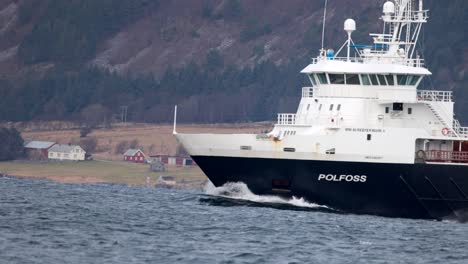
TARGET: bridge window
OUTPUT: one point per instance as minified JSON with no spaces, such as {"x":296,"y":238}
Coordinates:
{"x":410,"y":111}
{"x":410,"y":80}
{"x":322,"y":77}
{"x":331,"y":107}
{"x":337,"y":78}
{"x":320,"y":107}
{"x":402,"y":79}
{"x":312,"y":79}
{"x":374,"y":80}
{"x":413,"y":80}
{"x":382,"y":80}
{"x":390,"y":80}
{"x":339,"y":107}
{"x":365,"y":79}
{"x":352,"y":79}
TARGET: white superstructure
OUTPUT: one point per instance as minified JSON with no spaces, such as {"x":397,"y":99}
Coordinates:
{"x":362,"y":107}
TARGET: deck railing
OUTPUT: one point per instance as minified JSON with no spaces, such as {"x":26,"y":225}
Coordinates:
{"x":286,"y":119}
{"x":437,"y":96}
{"x":461,"y":131}
{"x":447,"y":156}
{"x":418,"y":63}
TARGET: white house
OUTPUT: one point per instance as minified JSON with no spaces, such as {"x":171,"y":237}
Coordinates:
{"x":66,"y":152}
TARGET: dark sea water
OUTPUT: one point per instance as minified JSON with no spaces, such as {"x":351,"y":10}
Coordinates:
{"x":47,"y":222}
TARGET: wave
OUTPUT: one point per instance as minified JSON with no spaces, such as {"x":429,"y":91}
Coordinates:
{"x":232,"y":194}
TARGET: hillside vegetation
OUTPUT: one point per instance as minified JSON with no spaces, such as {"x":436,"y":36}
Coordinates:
{"x":68,"y":32}
{"x":219,"y":60}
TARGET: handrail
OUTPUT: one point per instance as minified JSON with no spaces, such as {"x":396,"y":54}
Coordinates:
{"x":445,"y":117}
{"x":417,"y":15}
{"x":438,"y":96}
{"x":444,"y":96}
{"x":463,"y":131}
{"x":447,"y":156}
{"x":418,"y":63}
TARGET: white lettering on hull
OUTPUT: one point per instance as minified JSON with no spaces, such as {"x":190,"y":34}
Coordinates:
{"x":342,"y":178}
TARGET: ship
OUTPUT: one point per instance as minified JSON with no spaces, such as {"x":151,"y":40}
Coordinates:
{"x":364,"y":139}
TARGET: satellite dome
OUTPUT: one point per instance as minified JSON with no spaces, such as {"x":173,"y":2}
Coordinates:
{"x":349,"y":25}
{"x":389,"y":8}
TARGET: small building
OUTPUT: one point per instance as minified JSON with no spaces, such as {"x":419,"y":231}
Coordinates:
{"x":67,"y":152}
{"x":174,"y":161}
{"x":38,"y":149}
{"x":135,"y":155}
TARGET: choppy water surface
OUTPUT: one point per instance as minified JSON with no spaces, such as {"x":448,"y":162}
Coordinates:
{"x":46,"y":222}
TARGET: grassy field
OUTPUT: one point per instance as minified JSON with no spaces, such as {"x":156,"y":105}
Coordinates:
{"x":152,"y":139}
{"x":100,"y":171}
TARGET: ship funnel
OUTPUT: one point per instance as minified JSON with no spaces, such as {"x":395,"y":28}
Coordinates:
{"x":350,"y":25}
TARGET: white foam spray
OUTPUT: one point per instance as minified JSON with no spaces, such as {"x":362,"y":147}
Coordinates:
{"x":240,"y":191}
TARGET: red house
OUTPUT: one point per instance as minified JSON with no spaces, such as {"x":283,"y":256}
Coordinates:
{"x":135,"y":155}
{"x":41,"y":147}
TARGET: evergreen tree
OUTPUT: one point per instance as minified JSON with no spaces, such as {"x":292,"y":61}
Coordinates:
{"x":12,"y":144}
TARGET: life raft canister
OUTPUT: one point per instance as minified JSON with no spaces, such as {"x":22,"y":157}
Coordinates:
{"x":445,"y":131}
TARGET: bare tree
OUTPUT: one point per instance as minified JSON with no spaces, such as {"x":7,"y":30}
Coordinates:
{"x":151,"y":149}
{"x":134,"y":144}
{"x":85,"y":131}
{"x":95,"y":115}
{"x":121,"y":147}
{"x":89,"y":144}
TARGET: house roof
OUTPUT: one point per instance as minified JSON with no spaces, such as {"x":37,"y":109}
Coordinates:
{"x":38,"y":144}
{"x":132,"y":152}
{"x":63,"y":148}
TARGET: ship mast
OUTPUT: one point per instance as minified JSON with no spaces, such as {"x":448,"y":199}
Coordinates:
{"x":402,"y":26}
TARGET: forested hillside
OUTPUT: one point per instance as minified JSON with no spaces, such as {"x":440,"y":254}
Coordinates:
{"x":219,"y":60}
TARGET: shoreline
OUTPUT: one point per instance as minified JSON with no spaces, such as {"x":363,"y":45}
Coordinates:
{"x":83,"y":180}
{"x":95,"y":172}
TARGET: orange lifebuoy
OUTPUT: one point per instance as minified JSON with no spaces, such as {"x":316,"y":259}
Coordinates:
{"x":445,"y":131}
